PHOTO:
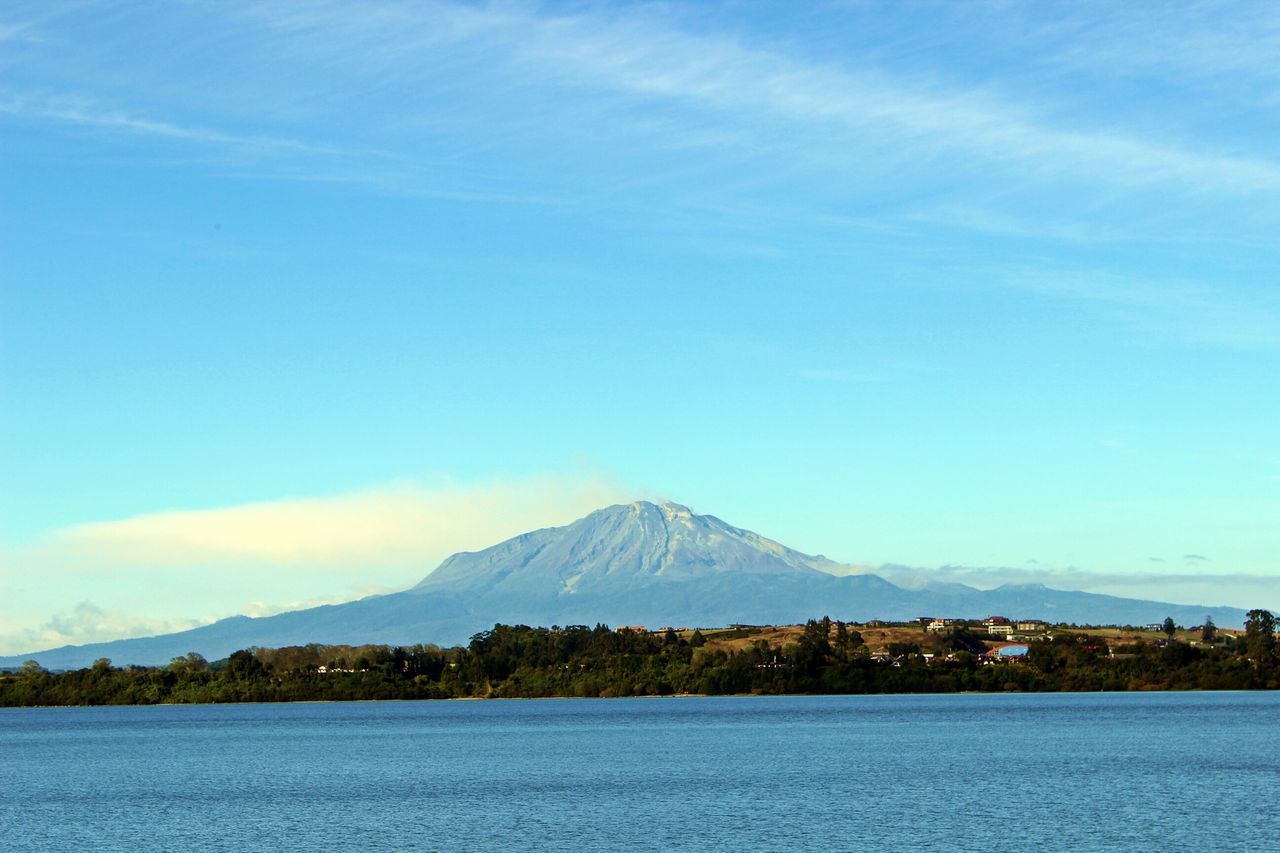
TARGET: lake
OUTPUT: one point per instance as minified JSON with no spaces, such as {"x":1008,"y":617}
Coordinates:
{"x":1051,"y":771}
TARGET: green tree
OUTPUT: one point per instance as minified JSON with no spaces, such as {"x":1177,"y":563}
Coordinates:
{"x":842,"y":641}
{"x":1209,"y":632}
{"x":244,"y":664}
{"x":1169,"y":628}
{"x":697,"y":641}
{"x":1260,"y":635}
{"x":190,"y":662}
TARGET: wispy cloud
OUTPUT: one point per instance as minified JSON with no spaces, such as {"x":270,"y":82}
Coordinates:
{"x":620,"y":83}
{"x":20,"y":32}
{"x":1199,"y":312}
{"x":405,"y":525}
{"x":753,"y":91}
{"x":86,"y":112}
{"x":86,"y":622}
{"x":722,"y":91}
{"x":1203,"y":40}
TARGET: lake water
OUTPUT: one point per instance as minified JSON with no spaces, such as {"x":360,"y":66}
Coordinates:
{"x":1082,"y":771}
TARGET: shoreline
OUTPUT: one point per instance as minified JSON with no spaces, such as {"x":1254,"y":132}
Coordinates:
{"x":653,"y":696}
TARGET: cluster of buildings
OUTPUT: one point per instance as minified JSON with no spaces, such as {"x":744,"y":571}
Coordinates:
{"x":995,"y":626}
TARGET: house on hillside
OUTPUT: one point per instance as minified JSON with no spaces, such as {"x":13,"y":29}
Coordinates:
{"x":998,"y":626}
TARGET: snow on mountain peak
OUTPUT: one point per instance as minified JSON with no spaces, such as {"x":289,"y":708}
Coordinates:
{"x":619,"y":547}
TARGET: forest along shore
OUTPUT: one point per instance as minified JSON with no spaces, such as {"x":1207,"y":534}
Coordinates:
{"x":819,"y":657}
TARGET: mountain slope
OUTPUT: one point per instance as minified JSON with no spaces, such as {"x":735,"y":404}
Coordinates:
{"x":628,"y":545}
{"x":640,"y":563}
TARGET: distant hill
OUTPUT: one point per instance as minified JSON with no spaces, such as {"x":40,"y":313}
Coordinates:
{"x":640,"y":563}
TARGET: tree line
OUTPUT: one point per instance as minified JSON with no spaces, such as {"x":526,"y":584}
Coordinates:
{"x":517,"y":661}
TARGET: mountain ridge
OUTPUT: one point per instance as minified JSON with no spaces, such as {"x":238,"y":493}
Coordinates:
{"x":637,"y":563}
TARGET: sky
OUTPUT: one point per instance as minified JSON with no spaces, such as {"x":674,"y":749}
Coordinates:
{"x":296,"y":299}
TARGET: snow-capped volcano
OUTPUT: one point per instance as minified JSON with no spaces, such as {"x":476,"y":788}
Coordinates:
{"x":619,"y":546}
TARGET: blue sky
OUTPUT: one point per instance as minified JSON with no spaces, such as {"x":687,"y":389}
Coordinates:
{"x":988,"y":289}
